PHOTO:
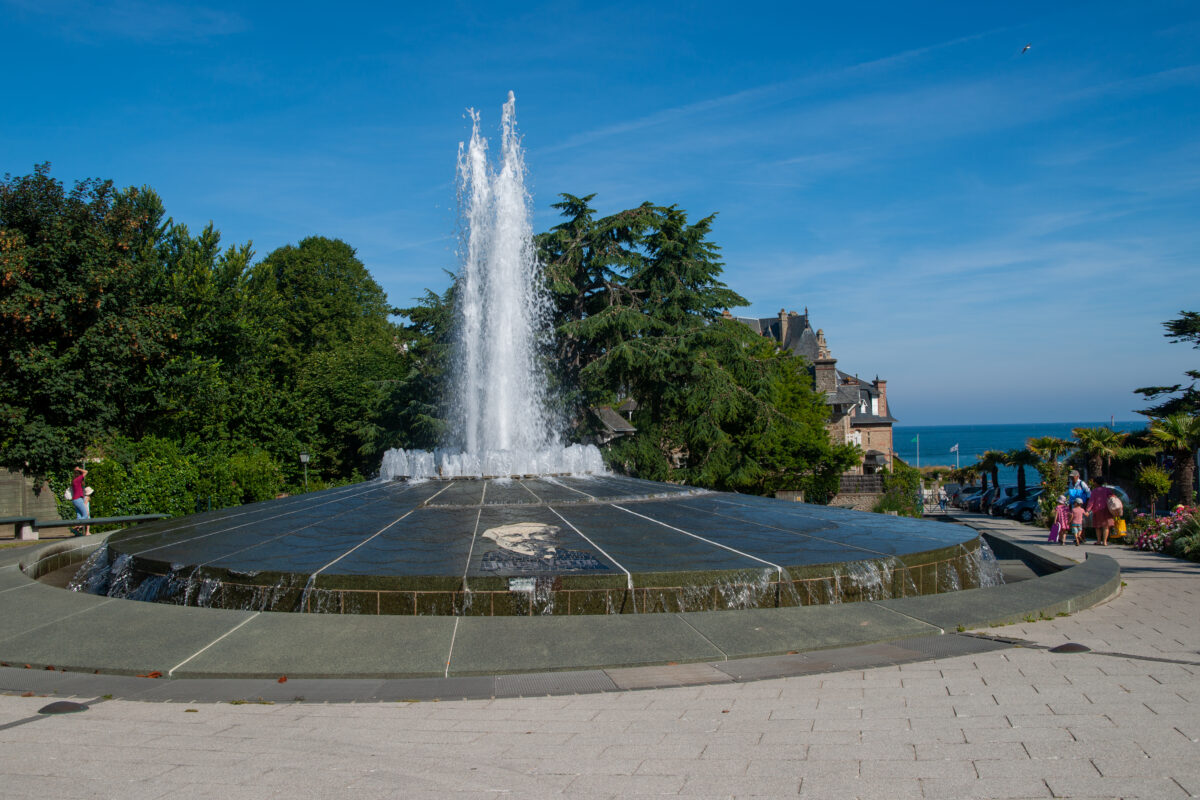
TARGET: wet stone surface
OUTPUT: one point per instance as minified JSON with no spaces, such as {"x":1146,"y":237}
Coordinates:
{"x":522,"y":546}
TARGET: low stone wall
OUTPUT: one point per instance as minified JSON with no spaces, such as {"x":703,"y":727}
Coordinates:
{"x":857,"y":501}
{"x":19,"y":497}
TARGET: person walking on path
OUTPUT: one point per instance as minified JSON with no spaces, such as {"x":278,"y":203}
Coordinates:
{"x":1100,"y":506}
{"x":1077,"y":515}
{"x":1076,"y":490}
{"x":943,"y":498}
{"x":1062,"y":518}
{"x":79,"y":499}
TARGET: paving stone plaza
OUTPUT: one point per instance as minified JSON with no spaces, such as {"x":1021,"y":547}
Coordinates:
{"x":1011,"y":721}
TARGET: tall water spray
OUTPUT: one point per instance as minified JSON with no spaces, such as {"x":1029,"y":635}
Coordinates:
{"x":501,"y":420}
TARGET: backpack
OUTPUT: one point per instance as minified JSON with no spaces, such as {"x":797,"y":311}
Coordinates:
{"x":1115,"y":507}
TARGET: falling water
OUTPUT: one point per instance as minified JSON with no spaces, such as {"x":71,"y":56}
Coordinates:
{"x":501,"y":421}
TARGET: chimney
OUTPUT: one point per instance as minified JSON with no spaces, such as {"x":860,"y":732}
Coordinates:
{"x":882,"y":387}
{"x":825,"y":367}
{"x":783,"y":320}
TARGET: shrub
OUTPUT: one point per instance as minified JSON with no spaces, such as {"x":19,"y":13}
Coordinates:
{"x":901,"y":490}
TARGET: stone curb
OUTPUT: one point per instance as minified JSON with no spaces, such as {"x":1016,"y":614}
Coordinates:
{"x":42,"y":626}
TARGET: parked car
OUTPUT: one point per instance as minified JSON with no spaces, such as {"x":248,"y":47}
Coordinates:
{"x":1005,"y":496}
{"x":1025,"y":510}
{"x":960,"y":498}
{"x":980,"y":501}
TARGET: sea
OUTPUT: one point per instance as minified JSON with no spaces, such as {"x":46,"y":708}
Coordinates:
{"x":935,"y":442}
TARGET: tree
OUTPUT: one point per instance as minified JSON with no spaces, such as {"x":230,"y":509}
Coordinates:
{"x":417,"y":399}
{"x":587,"y":262}
{"x":990,"y":462}
{"x":901,"y":491}
{"x":82,"y":317}
{"x":1098,"y":446}
{"x":1049,"y":449}
{"x":639,"y":299}
{"x":1021,"y":458}
{"x":331,"y":354}
{"x":1179,"y":436}
{"x":1154,"y":481}
{"x":1184,"y":329}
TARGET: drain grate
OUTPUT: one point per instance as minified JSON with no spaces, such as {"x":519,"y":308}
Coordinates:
{"x":539,"y":684}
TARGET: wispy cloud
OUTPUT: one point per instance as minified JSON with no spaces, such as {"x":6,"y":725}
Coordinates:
{"x":761,"y":95}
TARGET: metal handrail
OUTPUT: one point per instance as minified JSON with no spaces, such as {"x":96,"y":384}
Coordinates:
{"x":26,"y":528}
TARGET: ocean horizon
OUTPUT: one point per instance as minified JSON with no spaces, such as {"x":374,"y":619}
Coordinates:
{"x":972,"y":440}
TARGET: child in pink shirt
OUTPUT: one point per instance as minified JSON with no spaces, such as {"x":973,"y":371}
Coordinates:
{"x":1062,"y":518}
{"x":1077,"y":516}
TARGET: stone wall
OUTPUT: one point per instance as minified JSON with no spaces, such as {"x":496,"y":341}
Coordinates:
{"x":18,"y":498}
{"x":856,"y":501}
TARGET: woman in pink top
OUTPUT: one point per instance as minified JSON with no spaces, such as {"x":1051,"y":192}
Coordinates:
{"x":79,"y":497}
{"x":1097,"y":506}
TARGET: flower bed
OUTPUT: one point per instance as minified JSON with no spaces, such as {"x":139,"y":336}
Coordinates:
{"x":1163,"y":534}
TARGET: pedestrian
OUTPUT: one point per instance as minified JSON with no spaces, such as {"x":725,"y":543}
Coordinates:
{"x":1077,"y":515}
{"x":1062,"y":519}
{"x":1101,"y":504}
{"x":943,"y":498}
{"x":1077,"y":490}
{"x":79,"y":497}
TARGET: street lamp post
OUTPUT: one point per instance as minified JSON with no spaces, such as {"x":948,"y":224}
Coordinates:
{"x":304,"y":461}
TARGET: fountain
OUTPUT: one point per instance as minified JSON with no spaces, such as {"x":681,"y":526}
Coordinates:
{"x":507,"y":519}
{"x":501,"y":423}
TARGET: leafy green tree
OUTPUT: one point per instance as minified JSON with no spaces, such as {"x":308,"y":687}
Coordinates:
{"x":1179,"y":436}
{"x":1049,"y":449}
{"x":587,"y":262}
{"x":317,"y":296}
{"x":416,"y":399}
{"x":1154,"y":482}
{"x":331,"y":356}
{"x":82,"y":317}
{"x":1187,"y":398}
{"x":901,"y":490}
{"x":717,"y":405}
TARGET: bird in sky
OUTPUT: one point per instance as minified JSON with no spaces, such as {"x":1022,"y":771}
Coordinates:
{"x":1026,"y":47}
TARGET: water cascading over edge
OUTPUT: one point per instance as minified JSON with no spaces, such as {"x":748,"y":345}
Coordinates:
{"x":501,"y":420}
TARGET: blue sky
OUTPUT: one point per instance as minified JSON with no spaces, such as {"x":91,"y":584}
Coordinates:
{"x":998,"y":234}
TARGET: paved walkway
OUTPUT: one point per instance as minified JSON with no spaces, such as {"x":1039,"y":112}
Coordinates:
{"x":1121,"y":721}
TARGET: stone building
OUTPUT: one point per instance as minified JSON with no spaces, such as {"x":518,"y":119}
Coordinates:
{"x":859,"y":410}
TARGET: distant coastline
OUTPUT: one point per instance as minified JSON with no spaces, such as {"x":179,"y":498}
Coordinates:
{"x":973,"y":440}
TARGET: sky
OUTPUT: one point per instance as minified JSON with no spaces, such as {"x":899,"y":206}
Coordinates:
{"x":1000,"y":234}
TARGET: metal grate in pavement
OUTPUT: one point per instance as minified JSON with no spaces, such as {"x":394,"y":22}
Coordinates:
{"x":539,"y":684}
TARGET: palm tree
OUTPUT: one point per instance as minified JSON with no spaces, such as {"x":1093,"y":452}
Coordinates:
{"x":1021,"y":459}
{"x":1179,"y":435}
{"x":1049,"y":449}
{"x":1098,"y":446}
{"x":990,"y":461}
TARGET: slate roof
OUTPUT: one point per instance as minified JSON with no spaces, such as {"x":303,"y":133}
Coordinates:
{"x":801,"y":339}
{"x":613,"y":421}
